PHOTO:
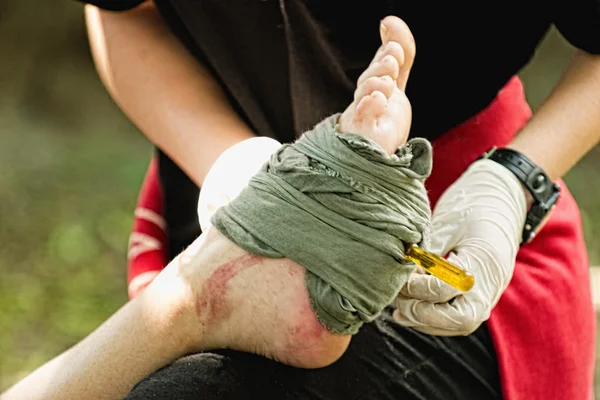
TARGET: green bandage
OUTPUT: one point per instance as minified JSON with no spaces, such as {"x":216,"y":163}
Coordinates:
{"x":338,"y":205}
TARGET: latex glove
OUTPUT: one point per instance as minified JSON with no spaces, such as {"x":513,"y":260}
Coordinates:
{"x":230,"y":174}
{"x":479,"y":222}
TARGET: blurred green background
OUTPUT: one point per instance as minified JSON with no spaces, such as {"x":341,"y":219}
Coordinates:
{"x":70,"y":168}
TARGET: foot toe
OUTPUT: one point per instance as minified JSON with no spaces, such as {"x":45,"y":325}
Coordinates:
{"x":388,"y":65}
{"x":384,"y":84}
{"x":393,"y":29}
{"x":391,"y":48}
{"x":369,"y":109}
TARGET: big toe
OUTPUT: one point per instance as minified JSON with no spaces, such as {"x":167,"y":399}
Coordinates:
{"x":394,"y":30}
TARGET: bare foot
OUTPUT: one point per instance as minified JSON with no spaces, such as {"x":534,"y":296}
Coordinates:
{"x":381,"y":110}
{"x":261,"y":305}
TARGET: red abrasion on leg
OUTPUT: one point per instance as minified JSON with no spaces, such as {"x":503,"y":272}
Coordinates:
{"x":147,"y":242}
{"x":544,"y":326}
{"x":306,"y":331}
{"x":308,"y":328}
{"x":212,"y":299}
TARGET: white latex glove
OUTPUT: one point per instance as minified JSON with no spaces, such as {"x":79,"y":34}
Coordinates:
{"x":231,"y":173}
{"x":479,"y":222}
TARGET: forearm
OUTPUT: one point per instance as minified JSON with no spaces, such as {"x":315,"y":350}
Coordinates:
{"x":567,"y":125}
{"x":163,"y":89}
{"x":144,"y":335}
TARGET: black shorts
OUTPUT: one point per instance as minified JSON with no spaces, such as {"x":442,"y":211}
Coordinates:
{"x":384,"y":361}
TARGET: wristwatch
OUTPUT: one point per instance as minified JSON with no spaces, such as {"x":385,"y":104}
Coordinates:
{"x":545,"y":193}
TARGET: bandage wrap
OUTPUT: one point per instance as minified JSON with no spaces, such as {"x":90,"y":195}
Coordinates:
{"x":338,"y":205}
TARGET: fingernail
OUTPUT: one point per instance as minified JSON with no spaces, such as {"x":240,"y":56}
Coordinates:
{"x":383,"y":30}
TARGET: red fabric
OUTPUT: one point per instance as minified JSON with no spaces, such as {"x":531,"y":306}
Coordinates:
{"x":544,"y":326}
{"x":147,"y":243}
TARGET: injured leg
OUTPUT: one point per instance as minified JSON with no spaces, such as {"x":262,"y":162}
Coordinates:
{"x":261,"y":304}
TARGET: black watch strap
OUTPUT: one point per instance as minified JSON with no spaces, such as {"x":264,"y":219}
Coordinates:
{"x":544,"y":192}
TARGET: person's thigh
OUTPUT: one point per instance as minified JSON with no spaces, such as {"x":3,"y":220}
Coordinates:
{"x":384,"y":361}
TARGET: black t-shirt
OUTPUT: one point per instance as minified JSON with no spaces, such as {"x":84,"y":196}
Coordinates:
{"x":286,"y":64}
{"x":289,"y":63}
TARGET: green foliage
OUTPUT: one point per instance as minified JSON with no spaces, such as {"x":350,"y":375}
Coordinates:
{"x":70,"y":169}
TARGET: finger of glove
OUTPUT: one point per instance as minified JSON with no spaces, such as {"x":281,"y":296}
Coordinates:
{"x":478,"y":257}
{"x":465,"y":313}
{"x":428,"y":288}
{"x":405,"y":316}
{"x":428,"y":330}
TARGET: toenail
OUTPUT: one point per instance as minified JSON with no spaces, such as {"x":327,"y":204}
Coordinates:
{"x":383,"y":30}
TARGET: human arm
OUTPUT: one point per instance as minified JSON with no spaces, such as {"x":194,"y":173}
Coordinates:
{"x":567,"y":125}
{"x":556,"y":137}
{"x":162,"y":88}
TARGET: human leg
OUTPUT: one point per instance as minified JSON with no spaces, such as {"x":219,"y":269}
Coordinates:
{"x":384,"y":361}
{"x":260,"y":304}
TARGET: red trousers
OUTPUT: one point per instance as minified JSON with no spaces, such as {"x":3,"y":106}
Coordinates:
{"x":544,"y":326}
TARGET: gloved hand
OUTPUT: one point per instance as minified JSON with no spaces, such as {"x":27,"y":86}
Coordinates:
{"x":231,"y":173}
{"x":479,"y":220}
